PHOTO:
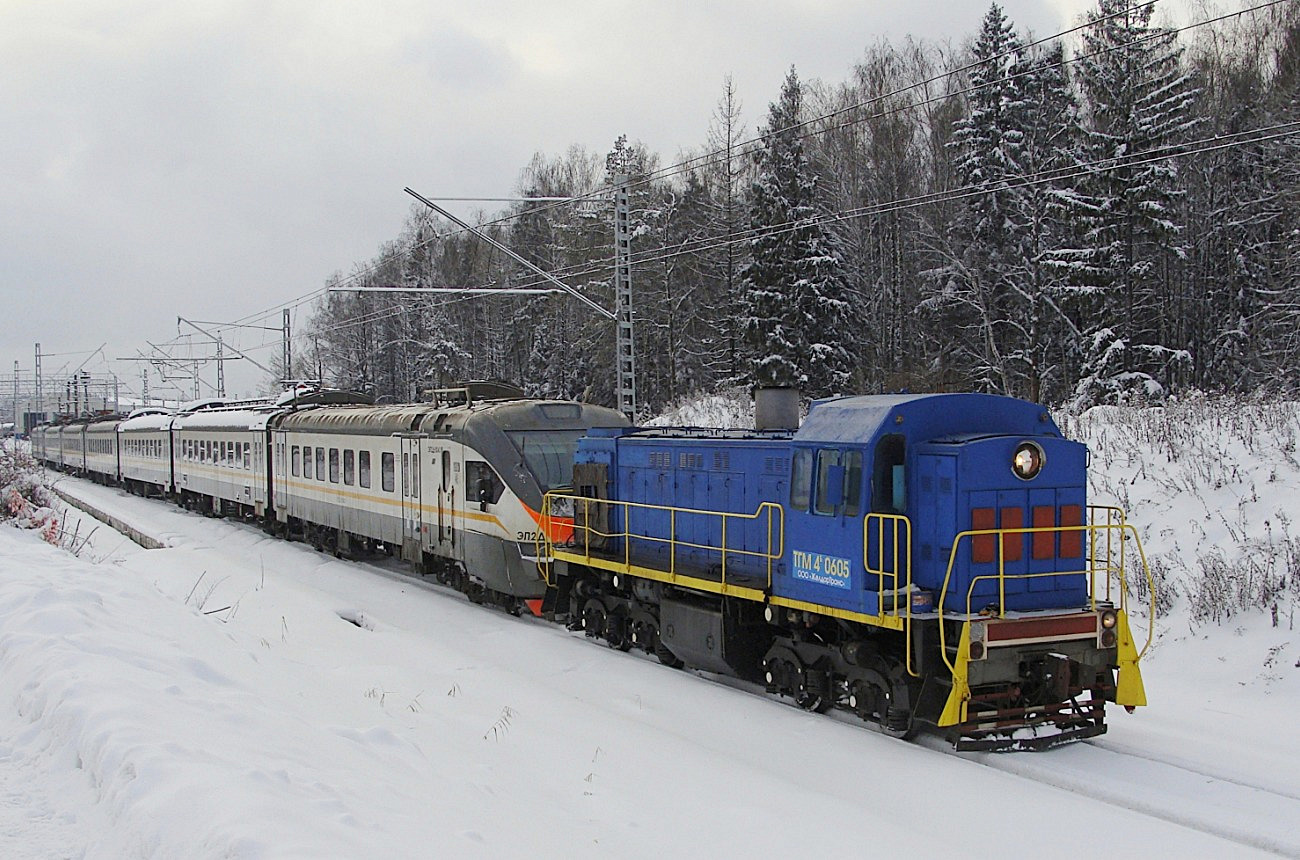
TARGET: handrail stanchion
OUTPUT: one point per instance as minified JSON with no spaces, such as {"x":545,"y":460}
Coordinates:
{"x":672,"y":541}
{"x":724,"y":549}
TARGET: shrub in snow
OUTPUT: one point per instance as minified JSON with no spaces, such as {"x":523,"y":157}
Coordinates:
{"x":1213,"y":483}
{"x":25,"y":501}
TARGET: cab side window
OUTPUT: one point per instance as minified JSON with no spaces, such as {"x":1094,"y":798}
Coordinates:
{"x":852,"y":483}
{"x":801,"y":480}
{"x":481,"y":483}
{"x":830,"y":481}
{"x":888,"y":477}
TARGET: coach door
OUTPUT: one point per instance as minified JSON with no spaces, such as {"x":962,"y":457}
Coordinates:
{"x":450,"y":502}
{"x":412,"y":515}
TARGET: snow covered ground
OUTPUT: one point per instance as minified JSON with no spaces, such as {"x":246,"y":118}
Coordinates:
{"x":235,"y":696}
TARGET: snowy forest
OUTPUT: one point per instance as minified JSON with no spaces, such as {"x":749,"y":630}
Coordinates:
{"x":1104,"y":216}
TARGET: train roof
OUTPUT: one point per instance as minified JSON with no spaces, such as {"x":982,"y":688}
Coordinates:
{"x":688,"y":433}
{"x":511,"y":414}
{"x":922,"y":417}
{"x":384,"y":420}
{"x":104,"y":425}
{"x":145,"y":422}
{"x":255,"y":418}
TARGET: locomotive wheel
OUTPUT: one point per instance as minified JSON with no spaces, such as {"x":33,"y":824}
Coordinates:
{"x":646,"y":636}
{"x":874,"y":703}
{"x":617,"y":634}
{"x":815,"y":702}
{"x":593,"y":618}
{"x":668,"y":658}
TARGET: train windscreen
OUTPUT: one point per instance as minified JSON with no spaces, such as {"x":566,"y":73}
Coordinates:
{"x":548,"y":454}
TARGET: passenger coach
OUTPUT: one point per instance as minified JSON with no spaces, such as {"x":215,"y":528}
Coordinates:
{"x":220,"y":460}
{"x":454,"y":487}
{"x":145,"y":442}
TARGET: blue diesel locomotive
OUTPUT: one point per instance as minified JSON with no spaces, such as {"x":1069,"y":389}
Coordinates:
{"x":921,"y":561}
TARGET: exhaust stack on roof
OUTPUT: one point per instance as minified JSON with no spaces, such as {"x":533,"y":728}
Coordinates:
{"x":776,"y":409}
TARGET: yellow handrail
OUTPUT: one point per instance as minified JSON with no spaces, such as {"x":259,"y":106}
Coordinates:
{"x":773,"y":551}
{"x":1115,"y":528}
{"x":901,"y":527}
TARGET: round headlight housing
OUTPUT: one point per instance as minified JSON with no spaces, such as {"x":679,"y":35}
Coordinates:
{"x":1028,"y":461}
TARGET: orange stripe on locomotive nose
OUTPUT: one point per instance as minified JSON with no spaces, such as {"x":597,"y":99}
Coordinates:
{"x":558,"y":529}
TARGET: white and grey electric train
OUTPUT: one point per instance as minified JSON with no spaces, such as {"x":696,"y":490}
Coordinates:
{"x":453,"y":486}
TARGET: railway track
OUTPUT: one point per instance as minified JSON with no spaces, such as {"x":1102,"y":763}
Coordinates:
{"x":1201,"y":797}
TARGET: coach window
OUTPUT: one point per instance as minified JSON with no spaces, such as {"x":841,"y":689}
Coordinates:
{"x":801,"y":480}
{"x":334,"y":465}
{"x":349,"y":466}
{"x":248,"y":455}
{"x":297,"y":461}
{"x":406,"y":471}
{"x":306,"y":461}
{"x":363,"y":462}
{"x":830,"y":481}
{"x":386,"y":470}
{"x":320,"y":464}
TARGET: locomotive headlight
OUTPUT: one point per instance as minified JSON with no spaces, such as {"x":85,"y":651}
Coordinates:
{"x":979,"y":632}
{"x":1028,"y":461}
{"x":1108,"y":635}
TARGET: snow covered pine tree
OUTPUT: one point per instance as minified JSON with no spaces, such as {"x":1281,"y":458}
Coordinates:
{"x":794,"y":298}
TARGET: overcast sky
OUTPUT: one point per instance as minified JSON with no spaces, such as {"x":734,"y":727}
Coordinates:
{"x":215,"y":159}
